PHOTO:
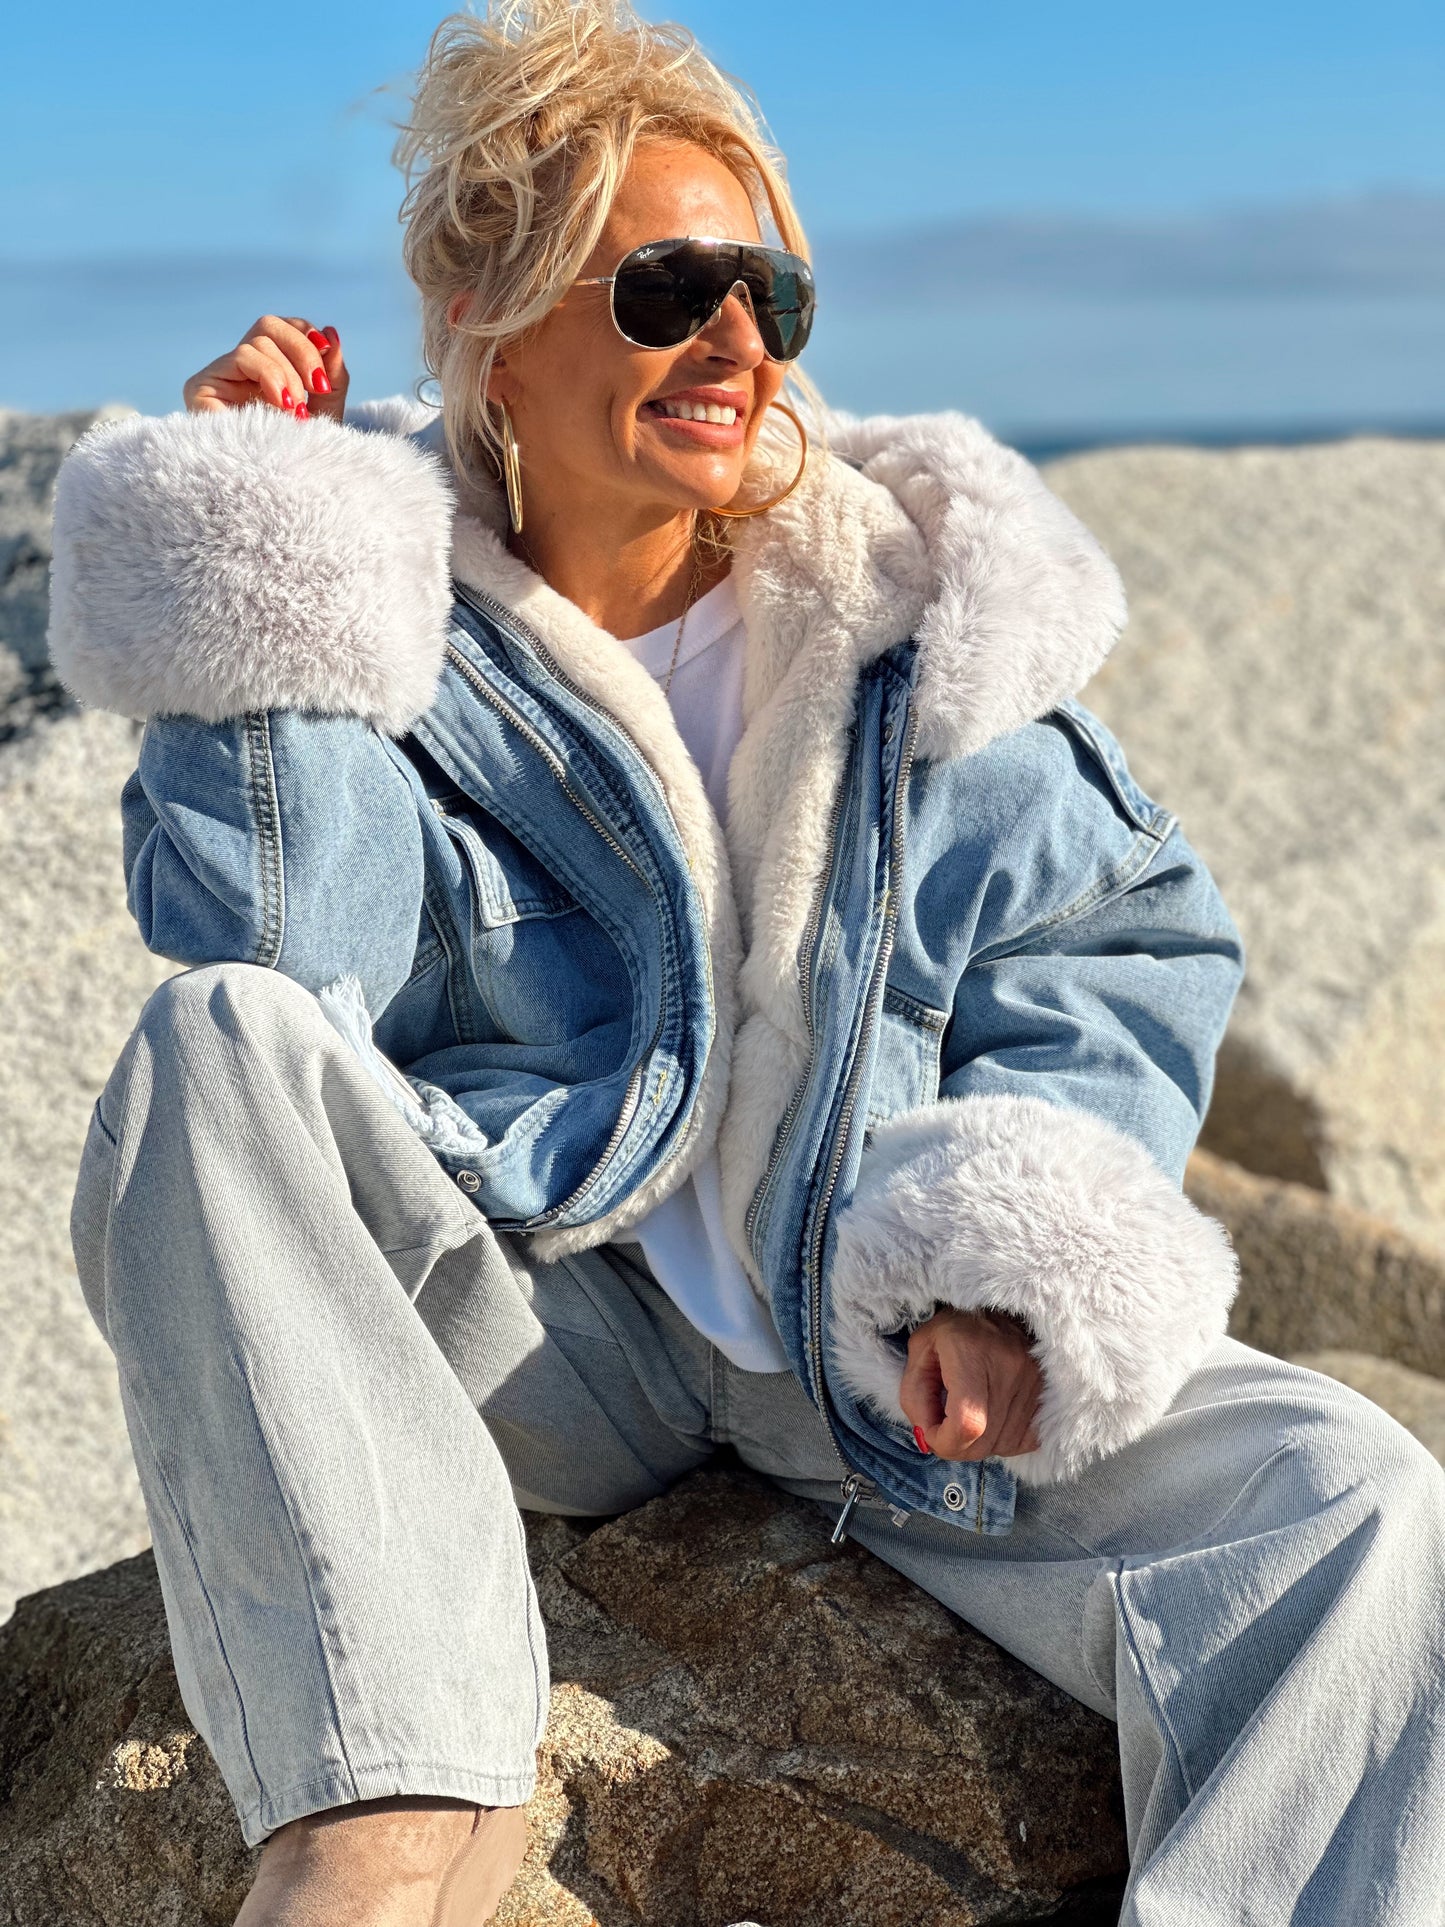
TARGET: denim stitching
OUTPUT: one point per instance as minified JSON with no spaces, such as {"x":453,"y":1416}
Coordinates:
{"x":322,"y":1645}
{"x":523,"y":1783}
{"x":541,"y":1690}
{"x":268,"y":827}
{"x":1166,"y":1725}
{"x":1142,"y":851}
{"x":205,"y":1594}
{"x":321,"y":1639}
{"x":925,"y":1017}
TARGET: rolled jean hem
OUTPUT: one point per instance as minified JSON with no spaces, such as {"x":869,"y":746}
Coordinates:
{"x":343,"y":1787}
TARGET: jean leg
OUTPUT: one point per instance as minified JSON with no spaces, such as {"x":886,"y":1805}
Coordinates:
{"x":594,"y":1387}
{"x":341,"y":1559}
{"x":1255,"y":1591}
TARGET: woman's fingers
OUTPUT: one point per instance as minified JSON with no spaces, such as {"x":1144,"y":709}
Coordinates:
{"x":971,"y":1386}
{"x":1017,"y":1431}
{"x":337,"y":372}
{"x":282,"y":361}
{"x":276,"y":381}
{"x":921,"y":1392}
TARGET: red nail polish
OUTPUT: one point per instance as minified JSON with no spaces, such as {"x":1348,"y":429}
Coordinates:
{"x":320,"y":383}
{"x":920,"y":1441}
{"x":317,"y":339}
{"x":287,"y":399}
{"x":303,"y":413}
{"x":331,"y":335}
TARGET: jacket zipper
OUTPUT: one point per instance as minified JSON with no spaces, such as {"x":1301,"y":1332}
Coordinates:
{"x":488,"y":606}
{"x":545,"y":750}
{"x":498,"y":612}
{"x":619,"y":1130}
{"x":854,"y":1484}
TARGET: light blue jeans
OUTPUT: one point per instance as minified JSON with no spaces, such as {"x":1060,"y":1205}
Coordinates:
{"x":341,"y":1384}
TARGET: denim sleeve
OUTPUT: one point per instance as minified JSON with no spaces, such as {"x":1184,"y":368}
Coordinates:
{"x":1084,"y":966}
{"x":279,"y":838}
{"x":1115,"y":1007}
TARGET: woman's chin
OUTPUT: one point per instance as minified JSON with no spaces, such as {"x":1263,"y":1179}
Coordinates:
{"x":698,"y":486}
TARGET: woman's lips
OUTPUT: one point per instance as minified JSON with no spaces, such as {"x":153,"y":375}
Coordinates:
{"x":703,"y":434}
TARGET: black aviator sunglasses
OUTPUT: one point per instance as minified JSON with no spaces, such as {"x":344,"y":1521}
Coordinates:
{"x":665,"y":292}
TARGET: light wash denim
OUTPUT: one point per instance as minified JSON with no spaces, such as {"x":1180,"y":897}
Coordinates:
{"x":510,"y":892}
{"x":338,"y":1377}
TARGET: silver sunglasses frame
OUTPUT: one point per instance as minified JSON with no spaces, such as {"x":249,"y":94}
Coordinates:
{"x":707,"y":240}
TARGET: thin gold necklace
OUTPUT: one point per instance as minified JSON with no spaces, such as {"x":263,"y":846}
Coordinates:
{"x":693,"y":585}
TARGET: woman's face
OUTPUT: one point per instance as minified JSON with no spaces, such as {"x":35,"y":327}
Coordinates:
{"x":588,"y":408}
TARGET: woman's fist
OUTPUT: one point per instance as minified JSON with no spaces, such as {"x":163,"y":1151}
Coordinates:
{"x":972,"y":1386}
{"x":282,"y":361}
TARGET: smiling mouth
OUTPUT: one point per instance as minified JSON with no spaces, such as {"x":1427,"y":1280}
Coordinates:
{"x":695,"y":411}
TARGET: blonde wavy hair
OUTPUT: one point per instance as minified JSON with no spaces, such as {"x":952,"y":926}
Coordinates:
{"x":524,"y":121}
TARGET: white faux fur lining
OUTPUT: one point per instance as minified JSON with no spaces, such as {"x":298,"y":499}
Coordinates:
{"x":209,"y":564}
{"x":1019,"y":1205}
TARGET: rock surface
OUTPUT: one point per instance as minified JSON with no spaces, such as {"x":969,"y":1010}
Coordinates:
{"x":746,"y":1722}
{"x":1416,"y":1400}
{"x":1282,"y":687}
{"x":1316,"y":1275}
{"x":73,"y":977}
{"x":31,"y":448}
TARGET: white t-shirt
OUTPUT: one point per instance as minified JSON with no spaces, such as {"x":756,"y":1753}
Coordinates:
{"x":682,"y":1238}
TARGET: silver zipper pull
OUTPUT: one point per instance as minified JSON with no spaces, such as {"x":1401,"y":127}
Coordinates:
{"x":850,"y":1488}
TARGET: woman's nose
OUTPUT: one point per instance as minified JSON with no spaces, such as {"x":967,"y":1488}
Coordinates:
{"x":733,"y":330}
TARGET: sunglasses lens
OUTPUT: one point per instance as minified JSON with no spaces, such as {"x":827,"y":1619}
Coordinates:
{"x":784,"y":308}
{"x":664,"y":293}
{"x":665,"y":299}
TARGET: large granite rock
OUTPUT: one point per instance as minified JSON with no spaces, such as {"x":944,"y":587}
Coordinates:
{"x":1282,"y":686}
{"x":73,"y":976}
{"x":1316,"y":1275}
{"x":747,"y":1722}
{"x":31,"y":448}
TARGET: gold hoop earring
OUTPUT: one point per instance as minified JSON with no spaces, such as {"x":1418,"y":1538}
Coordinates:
{"x":773,"y":501}
{"x":511,"y":469}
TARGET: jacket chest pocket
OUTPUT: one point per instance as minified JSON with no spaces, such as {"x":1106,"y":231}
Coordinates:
{"x":542,"y":972}
{"x":508,"y":883}
{"x":906,"y":1068}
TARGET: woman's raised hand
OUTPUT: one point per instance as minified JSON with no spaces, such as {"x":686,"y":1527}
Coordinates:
{"x":282,"y":361}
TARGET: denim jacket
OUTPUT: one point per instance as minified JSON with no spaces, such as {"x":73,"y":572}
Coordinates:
{"x":945,"y":994}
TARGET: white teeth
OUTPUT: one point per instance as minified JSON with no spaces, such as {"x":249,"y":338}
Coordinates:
{"x":696,"y":411}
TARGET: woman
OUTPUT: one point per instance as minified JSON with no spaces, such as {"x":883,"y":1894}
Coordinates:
{"x":693,"y":973}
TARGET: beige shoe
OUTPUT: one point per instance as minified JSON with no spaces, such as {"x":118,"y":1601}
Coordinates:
{"x":482,"y":1869}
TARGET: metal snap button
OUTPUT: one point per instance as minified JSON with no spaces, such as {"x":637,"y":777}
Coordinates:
{"x":955,"y":1498}
{"x":469,"y":1181}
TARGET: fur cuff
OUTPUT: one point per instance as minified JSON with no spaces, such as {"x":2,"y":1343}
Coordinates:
{"x":1015,"y":1204}
{"x":213,"y":564}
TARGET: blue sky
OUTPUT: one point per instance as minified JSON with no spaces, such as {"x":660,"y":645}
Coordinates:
{"x":216,"y":135}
